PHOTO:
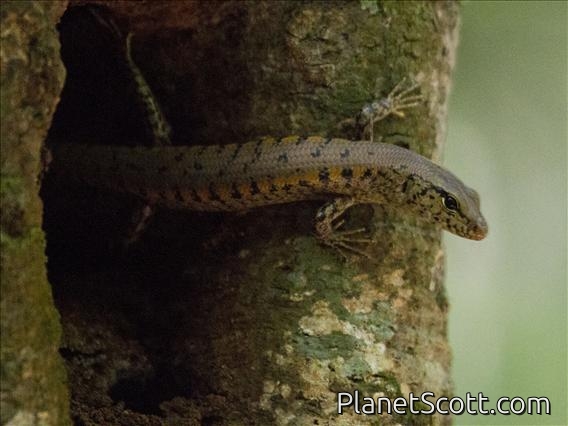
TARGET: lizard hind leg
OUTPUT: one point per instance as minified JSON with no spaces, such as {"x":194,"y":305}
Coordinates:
{"x":139,"y":221}
{"x":328,"y":223}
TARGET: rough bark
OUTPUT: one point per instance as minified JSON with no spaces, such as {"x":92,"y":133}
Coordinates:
{"x":246,"y":319}
{"x":34,"y":387}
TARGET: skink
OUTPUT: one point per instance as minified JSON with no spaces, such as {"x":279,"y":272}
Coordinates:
{"x":240,"y":176}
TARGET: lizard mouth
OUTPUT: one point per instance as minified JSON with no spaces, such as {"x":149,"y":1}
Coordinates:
{"x":478,"y":231}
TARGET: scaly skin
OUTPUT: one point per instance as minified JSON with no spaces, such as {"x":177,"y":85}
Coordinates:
{"x":158,"y":128}
{"x":234,"y":177}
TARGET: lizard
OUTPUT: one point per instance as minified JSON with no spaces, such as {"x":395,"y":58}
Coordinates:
{"x":233,"y":177}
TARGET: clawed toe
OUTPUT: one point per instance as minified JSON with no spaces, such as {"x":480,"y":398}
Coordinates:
{"x":344,"y":248}
{"x":349,"y":241}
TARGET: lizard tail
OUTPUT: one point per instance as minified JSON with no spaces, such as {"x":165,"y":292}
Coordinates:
{"x":107,"y":22}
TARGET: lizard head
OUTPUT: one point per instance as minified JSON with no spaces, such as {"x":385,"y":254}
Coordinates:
{"x":442,"y":199}
{"x":460,"y":213}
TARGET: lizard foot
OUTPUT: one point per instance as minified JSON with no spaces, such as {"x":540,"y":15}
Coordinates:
{"x":351,"y":241}
{"x":328,"y":223}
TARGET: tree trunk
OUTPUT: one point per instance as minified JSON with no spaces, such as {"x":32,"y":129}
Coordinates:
{"x":34,"y":387}
{"x":246,"y":319}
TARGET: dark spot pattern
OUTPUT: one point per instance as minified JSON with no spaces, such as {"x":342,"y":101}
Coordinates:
{"x":213,"y":196}
{"x":254,"y":189}
{"x":235,"y":193}
{"x":257,"y":151}
{"x":195,"y":196}
{"x":236,"y":151}
{"x":177,"y":195}
{"x":323,"y":175}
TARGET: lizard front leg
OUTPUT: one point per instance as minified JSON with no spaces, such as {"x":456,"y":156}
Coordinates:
{"x":329,"y":220}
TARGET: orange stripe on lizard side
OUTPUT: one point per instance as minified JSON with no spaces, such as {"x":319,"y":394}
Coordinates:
{"x":290,"y":139}
{"x":315,"y":139}
{"x":223,"y":190}
{"x":203,"y":194}
{"x":311,"y":176}
{"x":335,"y":174}
{"x":244,"y":189}
{"x":263,"y":185}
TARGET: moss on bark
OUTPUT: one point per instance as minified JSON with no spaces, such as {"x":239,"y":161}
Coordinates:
{"x":33,"y":377}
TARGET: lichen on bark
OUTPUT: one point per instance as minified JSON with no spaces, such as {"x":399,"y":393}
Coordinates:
{"x":246,"y":318}
{"x":33,"y":378}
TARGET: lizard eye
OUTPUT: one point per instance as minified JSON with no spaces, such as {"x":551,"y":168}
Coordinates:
{"x":450,"y":203}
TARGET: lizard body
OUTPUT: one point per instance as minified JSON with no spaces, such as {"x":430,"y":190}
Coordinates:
{"x":241,"y":176}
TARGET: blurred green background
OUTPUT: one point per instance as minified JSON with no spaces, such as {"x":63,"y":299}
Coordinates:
{"x":508,"y":139}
